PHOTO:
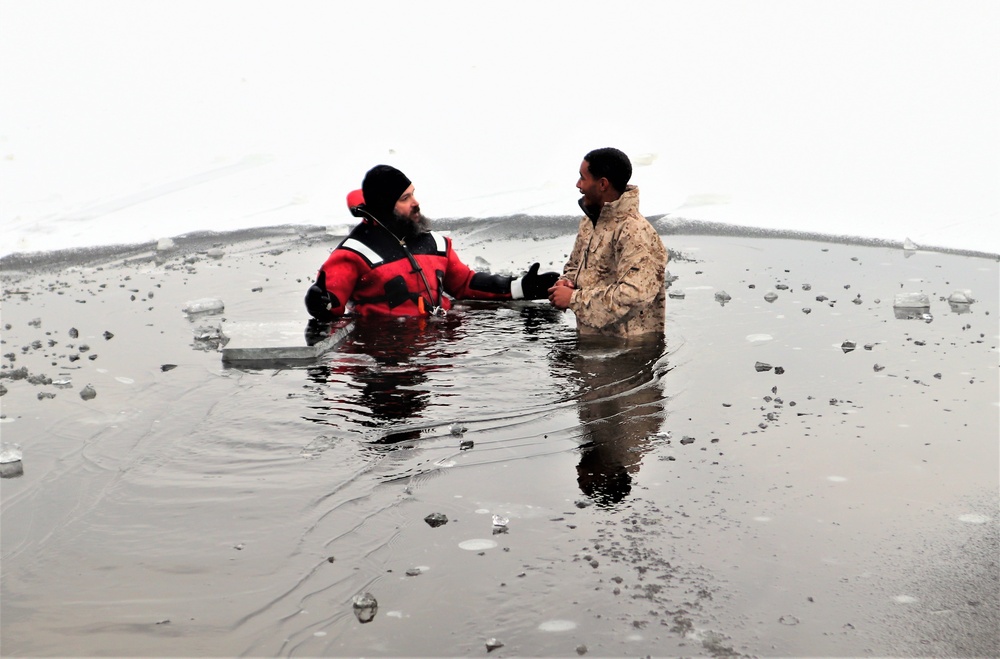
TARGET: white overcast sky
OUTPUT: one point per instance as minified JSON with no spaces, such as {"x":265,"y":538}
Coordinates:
{"x":863,"y":117}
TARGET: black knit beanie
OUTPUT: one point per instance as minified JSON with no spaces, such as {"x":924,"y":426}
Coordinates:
{"x":382,"y":187}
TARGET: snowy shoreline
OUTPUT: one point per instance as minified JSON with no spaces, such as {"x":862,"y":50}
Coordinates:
{"x":529,"y":227}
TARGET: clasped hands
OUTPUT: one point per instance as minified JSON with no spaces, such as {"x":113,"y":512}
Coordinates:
{"x":560,"y":293}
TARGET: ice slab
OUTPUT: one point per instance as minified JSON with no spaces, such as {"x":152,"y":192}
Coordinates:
{"x":911,"y":301}
{"x":204,"y":305}
{"x":266,"y":343}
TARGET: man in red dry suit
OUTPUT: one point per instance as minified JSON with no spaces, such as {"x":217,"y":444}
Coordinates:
{"x":391,"y":264}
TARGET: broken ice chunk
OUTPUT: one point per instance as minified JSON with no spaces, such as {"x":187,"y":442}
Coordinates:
{"x":963,"y":296}
{"x":365,"y":607}
{"x":10,"y":461}
{"x":204,"y":305}
{"x":436,"y":519}
{"x":911,"y":301}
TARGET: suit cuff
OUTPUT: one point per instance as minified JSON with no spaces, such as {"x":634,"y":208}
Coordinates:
{"x":516,"y":292}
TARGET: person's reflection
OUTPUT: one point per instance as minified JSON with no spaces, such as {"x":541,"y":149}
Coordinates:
{"x":621,"y":408}
{"x":387,"y":364}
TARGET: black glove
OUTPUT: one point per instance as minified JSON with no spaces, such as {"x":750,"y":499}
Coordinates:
{"x":319,"y":301}
{"x":534,"y":286}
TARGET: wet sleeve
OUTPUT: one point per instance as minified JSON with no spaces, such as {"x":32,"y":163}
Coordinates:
{"x":461,"y":282}
{"x":639,"y":278}
{"x":341,"y":272}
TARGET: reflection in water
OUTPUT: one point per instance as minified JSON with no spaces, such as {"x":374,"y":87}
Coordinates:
{"x":386,"y":365}
{"x":389,"y":374}
{"x":621,"y":408}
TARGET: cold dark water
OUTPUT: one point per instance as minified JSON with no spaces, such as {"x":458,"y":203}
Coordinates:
{"x":663,"y":498}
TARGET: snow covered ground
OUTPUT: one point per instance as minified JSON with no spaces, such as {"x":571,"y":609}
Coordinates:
{"x":127,"y":122}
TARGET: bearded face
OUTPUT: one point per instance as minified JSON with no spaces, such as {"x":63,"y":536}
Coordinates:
{"x":412,"y":223}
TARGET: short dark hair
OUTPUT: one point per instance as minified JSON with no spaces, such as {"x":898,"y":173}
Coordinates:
{"x":611,"y":164}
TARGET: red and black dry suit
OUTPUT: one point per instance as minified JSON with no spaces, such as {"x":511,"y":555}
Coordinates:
{"x":370,"y":273}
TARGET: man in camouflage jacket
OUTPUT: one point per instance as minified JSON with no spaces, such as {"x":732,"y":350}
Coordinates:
{"x":614,"y":279}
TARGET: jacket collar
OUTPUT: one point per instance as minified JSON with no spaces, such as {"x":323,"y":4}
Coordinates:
{"x":612,"y":209}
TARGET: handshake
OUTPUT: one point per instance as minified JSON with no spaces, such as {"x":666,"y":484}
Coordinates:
{"x":533,"y":286}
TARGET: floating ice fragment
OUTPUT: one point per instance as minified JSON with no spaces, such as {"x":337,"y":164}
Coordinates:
{"x":435,"y":520}
{"x":770,"y":296}
{"x":723,"y":297}
{"x":973,"y":518}
{"x":165,"y":244}
{"x":216,"y":253}
{"x":88,"y":393}
{"x":365,"y":607}
{"x":911,"y":301}
{"x":73,"y":333}
{"x":848,"y":346}
{"x":676,"y":295}
{"x":904,"y":599}
{"x":11,"y":469}
{"x":759,"y":338}
{"x":557,"y":626}
{"x":836,"y":479}
{"x":204,"y":305}
{"x":963,"y":296}
{"x":909,"y":245}
{"x":209,"y":337}
{"x":458,"y":429}
{"x":501,"y":521}
{"x":10,"y":461}
{"x":477,"y":544}
{"x":761,"y":366}
{"x":492,"y":644}
{"x":481,"y":265}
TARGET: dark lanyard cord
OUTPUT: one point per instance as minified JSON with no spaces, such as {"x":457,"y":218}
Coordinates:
{"x":409,"y":255}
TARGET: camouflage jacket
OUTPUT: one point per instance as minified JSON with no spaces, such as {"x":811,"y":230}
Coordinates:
{"x":618,"y":267}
